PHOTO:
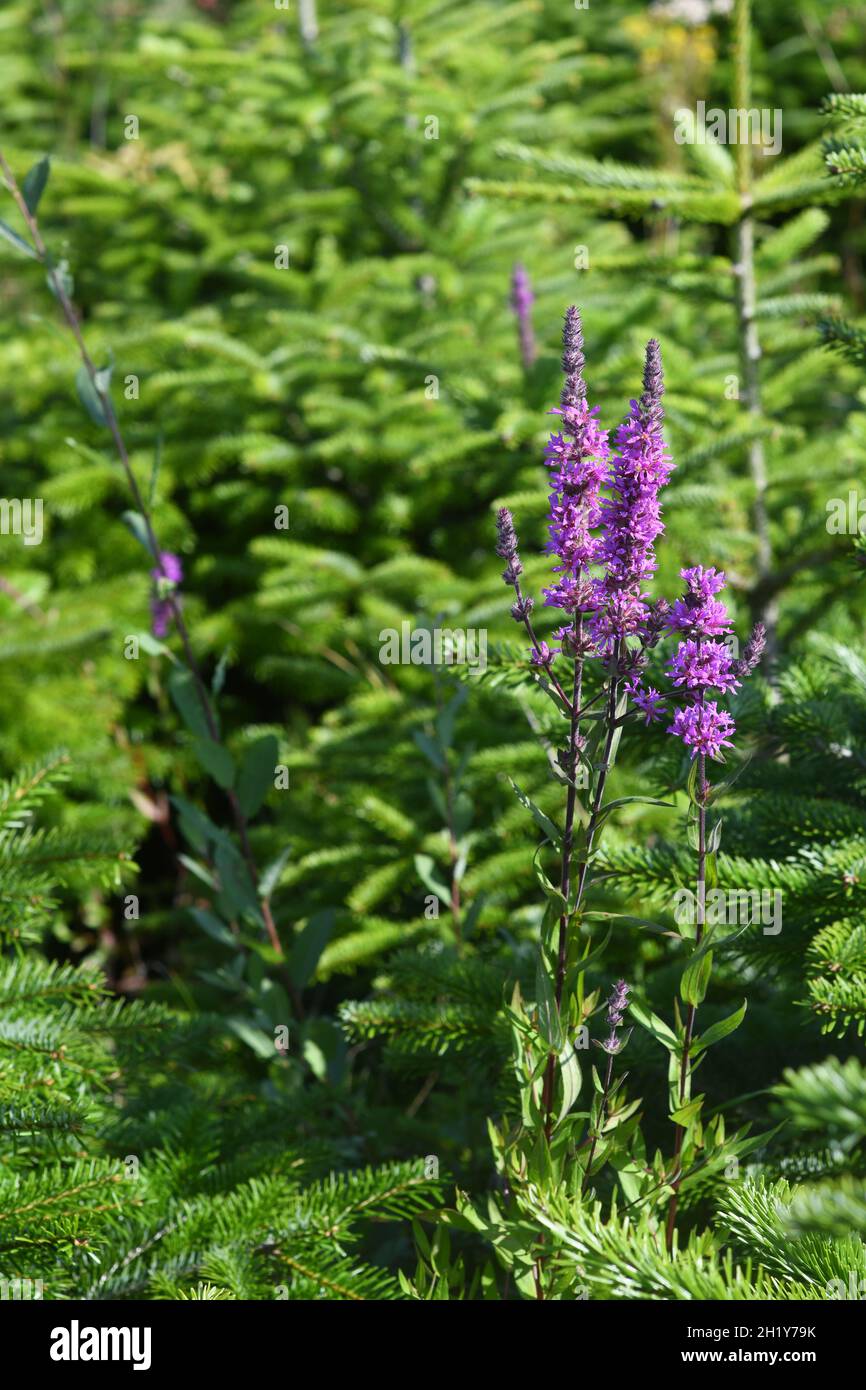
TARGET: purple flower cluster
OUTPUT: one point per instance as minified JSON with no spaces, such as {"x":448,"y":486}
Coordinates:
{"x":616,"y":1007}
{"x":702,"y":663}
{"x":698,"y":613}
{"x":577,"y":459}
{"x":631,"y":518}
{"x":703,"y":666}
{"x":648,"y":701}
{"x":604,"y":547}
{"x":166,"y":575}
{"x":522,"y":300}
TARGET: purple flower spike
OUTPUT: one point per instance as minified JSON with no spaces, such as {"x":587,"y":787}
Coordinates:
{"x":698,"y":613}
{"x":522,"y":300}
{"x":631,"y":518}
{"x":577,"y":459}
{"x":616,"y":1007}
{"x":506,"y":546}
{"x":573,"y":360}
{"x":754,"y":651}
{"x":702,"y":663}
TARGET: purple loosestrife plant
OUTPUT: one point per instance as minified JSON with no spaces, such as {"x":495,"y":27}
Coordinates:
{"x":604,"y":522}
{"x":187,"y":683}
{"x":603,"y":553}
{"x":577,"y":457}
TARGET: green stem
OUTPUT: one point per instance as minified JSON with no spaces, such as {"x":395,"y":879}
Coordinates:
{"x":700,"y":918}
{"x":601,"y":1121}
{"x":613,"y":694}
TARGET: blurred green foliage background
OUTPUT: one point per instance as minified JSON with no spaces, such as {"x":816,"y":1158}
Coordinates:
{"x":296,"y":249}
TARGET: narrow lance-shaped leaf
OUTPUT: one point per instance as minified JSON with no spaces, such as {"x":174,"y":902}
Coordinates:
{"x":549,"y":1022}
{"x":34,"y":183}
{"x":719,"y":1030}
{"x":543,"y":821}
{"x":88,"y":393}
{"x":308,"y":947}
{"x":256,"y":776}
{"x":18,"y":242}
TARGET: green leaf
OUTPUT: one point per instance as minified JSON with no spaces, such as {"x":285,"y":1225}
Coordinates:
{"x":692,"y":781}
{"x":718,"y":1030}
{"x":18,"y":242}
{"x":153,"y":646}
{"x":445,"y":721}
{"x":570,"y":1073}
{"x":255,"y":1038}
{"x":711,"y":942}
{"x":696,"y":978}
{"x":136,"y":524}
{"x":621,"y":708}
{"x":213,"y":926}
{"x":256,"y":777}
{"x":655,"y":1026}
{"x":185,"y":694}
{"x":686,"y":1113}
{"x":271,"y":875}
{"x":627,"y":920}
{"x":235,"y":879}
{"x":59,"y":278}
{"x":219,"y":675}
{"x":426,"y":868}
{"x":324,"y":1048}
{"x":309,"y":945}
{"x":549,"y":889}
{"x":553,"y":833}
{"x":629,"y":800}
{"x":34,"y":183}
{"x":197,"y":828}
{"x":431,"y":750}
{"x":584,"y":963}
{"x":472,"y":915}
{"x":216,"y":760}
{"x":549,"y":1022}
{"x":200,"y":870}
{"x":88,"y":394}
